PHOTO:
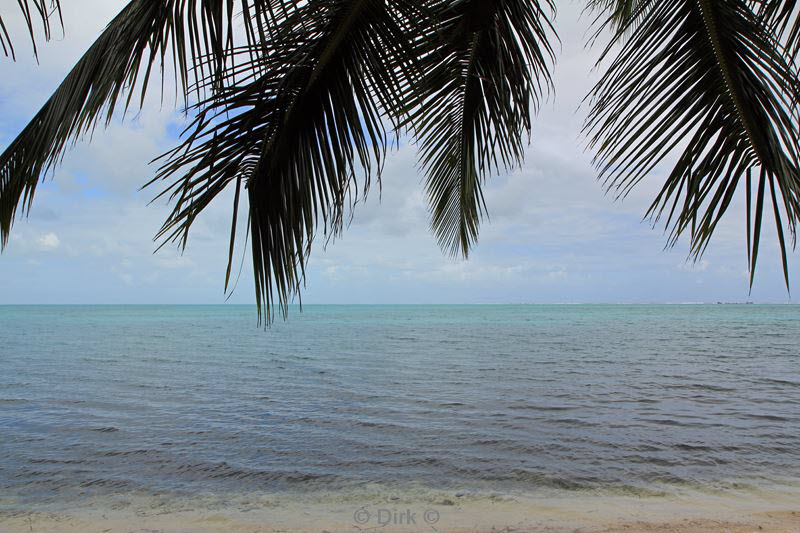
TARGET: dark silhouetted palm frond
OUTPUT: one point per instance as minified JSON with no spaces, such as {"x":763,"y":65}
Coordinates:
{"x":198,"y":36}
{"x":783,"y":18}
{"x":485,"y":63}
{"x":709,"y":84}
{"x":33,"y":12}
{"x":616,"y":14}
{"x":296,"y":124}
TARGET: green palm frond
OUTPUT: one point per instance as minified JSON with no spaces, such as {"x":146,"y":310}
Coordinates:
{"x":197,"y":34}
{"x":297,"y":122}
{"x":43,"y":10}
{"x":485,"y":64}
{"x":708,"y":84}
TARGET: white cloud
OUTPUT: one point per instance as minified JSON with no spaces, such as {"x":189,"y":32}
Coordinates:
{"x":48,"y":242}
{"x":693,"y":266}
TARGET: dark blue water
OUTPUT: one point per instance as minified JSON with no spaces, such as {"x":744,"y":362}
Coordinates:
{"x":186,"y":399}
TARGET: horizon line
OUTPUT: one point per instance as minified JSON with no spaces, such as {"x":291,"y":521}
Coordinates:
{"x":298,"y":305}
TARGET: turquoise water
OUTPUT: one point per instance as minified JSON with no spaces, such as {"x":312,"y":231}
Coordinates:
{"x":179,"y":400}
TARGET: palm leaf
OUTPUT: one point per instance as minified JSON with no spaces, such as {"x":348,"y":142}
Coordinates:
{"x":486,"y":63}
{"x":298,"y":120}
{"x":783,"y":18}
{"x":619,"y":14}
{"x":709,"y":85}
{"x":198,"y":35}
{"x":43,"y":10}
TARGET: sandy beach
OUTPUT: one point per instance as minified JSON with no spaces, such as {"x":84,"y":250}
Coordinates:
{"x":777,"y":511}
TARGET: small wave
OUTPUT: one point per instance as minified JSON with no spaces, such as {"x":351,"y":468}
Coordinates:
{"x":106,"y":483}
{"x":781,"y":382}
{"x":652,"y":460}
{"x":693,"y":447}
{"x":552,"y":408}
{"x":225,"y":471}
{"x":771,"y":418}
{"x":700,"y":387}
{"x":539,"y":479}
{"x":380,"y":425}
{"x":156,"y":359}
{"x":572,"y":422}
{"x":488,"y":442}
{"x":125,"y":453}
{"x":679,"y":423}
{"x":56,"y":461}
{"x":150,"y":386}
{"x":647,"y":448}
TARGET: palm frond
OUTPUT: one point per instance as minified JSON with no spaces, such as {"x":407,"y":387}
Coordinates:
{"x":619,"y":15}
{"x":197,"y":34}
{"x":299,"y":118}
{"x":485,"y":64}
{"x":783,"y":18}
{"x":708,"y":83}
{"x":43,"y":10}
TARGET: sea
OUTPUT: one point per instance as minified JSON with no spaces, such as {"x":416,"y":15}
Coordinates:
{"x":103,"y":401}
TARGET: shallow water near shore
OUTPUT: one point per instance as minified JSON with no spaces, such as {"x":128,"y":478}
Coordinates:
{"x":102,"y":405}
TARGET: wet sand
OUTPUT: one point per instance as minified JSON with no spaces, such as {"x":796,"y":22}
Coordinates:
{"x":736,"y":512}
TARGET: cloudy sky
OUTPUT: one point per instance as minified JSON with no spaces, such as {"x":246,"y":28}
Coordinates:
{"x":553,"y":236}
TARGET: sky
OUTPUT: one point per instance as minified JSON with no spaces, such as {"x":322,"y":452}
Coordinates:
{"x":553,"y":235}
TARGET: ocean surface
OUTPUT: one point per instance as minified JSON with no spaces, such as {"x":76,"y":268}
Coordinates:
{"x":177,"y":400}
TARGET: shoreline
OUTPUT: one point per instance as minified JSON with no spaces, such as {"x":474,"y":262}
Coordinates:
{"x":691,"y":512}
